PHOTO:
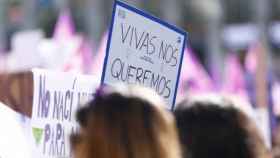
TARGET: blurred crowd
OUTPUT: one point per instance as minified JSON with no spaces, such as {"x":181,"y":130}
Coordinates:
{"x":130,"y":121}
{"x":228,"y":101}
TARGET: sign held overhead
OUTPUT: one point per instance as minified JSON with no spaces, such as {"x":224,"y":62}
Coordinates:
{"x":143,"y":50}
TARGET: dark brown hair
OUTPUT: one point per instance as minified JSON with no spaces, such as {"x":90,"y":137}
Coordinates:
{"x":209,"y":130}
{"x":122,"y":124}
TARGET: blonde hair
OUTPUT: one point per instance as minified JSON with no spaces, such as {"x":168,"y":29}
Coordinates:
{"x":126,"y":122}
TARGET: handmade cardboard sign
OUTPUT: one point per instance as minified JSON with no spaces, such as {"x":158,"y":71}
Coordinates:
{"x":143,"y":50}
{"x":56,"y":98}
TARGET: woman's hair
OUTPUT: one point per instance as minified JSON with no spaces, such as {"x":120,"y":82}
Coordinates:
{"x":276,"y":141}
{"x":125,"y":122}
{"x":217,"y":130}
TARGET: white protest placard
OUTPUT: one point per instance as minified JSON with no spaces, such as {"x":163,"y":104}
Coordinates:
{"x":143,"y":50}
{"x":13,"y":134}
{"x":56,"y":98}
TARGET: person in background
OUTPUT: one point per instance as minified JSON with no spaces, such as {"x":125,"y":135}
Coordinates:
{"x":125,"y":122}
{"x":217,"y":129}
{"x":276,"y":141}
{"x":15,"y":19}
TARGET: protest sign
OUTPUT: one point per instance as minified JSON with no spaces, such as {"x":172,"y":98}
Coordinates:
{"x":57,"y":96}
{"x":144,"y":50}
{"x":13,"y":134}
{"x":16,"y":91}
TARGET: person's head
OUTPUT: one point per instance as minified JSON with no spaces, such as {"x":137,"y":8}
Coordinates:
{"x":216,"y":129}
{"x":125,"y":122}
{"x":276,"y":141}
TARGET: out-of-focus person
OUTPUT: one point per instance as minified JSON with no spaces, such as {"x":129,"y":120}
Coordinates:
{"x":276,"y":141}
{"x":14,"y":22}
{"x":211,"y":128}
{"x":125,"y":122}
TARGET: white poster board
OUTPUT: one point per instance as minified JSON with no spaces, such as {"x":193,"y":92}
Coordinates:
{"x":55,"y":101}
{"x":143,"y":50}
{"x":14,"y":134}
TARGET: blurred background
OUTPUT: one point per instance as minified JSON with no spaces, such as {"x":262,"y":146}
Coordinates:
{"x":215,"y":27}
{"x":219,"y":32}
{"x":233,"y":45}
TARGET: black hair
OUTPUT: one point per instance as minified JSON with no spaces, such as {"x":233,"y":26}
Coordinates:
{"x":207,"y":130}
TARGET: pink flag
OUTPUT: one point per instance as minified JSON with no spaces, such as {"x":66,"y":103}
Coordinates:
{"x":194,"y":78}
{"x":81,"y":60}
{"x":74,"y":64}
{"x":251,"y":59}
{"x":98,"y":62}
{"x":77,"y":52}
{"x":276,"y":98}
{"x":87,"y":56}
{"x":64,"y":28}
{"x":234,"y":81}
